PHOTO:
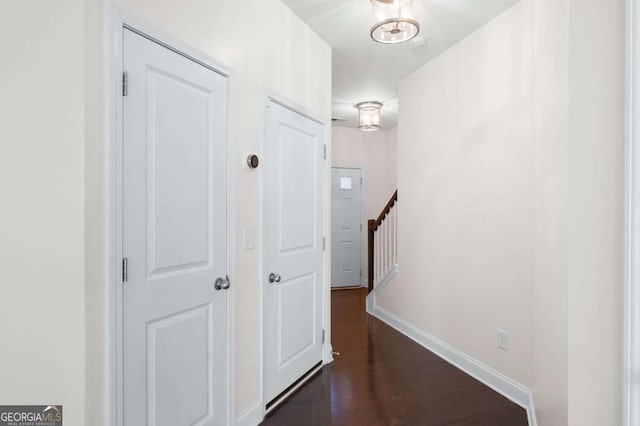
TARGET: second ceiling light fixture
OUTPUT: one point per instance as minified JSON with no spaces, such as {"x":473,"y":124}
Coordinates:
{"x":369,"y":116}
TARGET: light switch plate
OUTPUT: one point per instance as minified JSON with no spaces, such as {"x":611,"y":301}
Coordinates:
{"x":247,"y":238}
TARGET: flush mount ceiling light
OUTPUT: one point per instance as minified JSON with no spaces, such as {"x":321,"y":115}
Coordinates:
{"x":393,"y":21}
{"x":369,"y":115}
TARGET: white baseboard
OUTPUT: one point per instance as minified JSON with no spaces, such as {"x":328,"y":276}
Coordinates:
{"x":511,"y":390}
{"x":370,"y":303}
{"x":252,"y":415}
{"x":531,"y":412}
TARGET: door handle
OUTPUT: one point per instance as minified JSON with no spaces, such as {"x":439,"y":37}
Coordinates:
{"x":222,"y":283}
{"x":274,"y":278}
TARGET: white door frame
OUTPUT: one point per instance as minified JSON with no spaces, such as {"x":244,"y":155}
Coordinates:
{"x":327,"y":354}
{"x":364,"y":280}
{"x":117,"y":21}
{"x":631,"y":350}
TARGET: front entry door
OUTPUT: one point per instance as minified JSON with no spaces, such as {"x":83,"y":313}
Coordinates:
{"x":294,"y":209}
{"x":346,"y":227}
{"x":175,"y":350}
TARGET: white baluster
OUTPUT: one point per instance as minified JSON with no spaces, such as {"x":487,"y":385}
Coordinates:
{"x":384,"y":245}
{"x":382,"y":235}
{"x":388,"y":243}
{"x":394,"y":238}
{"x":376,"y":263}
{"x":395,"y":233}
{"x":387,"y":246}
{"x":373,"y":260}
{"x":381,"y":243}
{"x":378,"y":254}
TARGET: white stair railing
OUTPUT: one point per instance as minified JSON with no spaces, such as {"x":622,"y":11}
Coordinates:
{"x":383,"y":242}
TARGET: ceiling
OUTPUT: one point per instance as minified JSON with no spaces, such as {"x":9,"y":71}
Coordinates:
{"x":364,"y":70}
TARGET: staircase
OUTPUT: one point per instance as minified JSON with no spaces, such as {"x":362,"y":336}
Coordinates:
{"x":383,"y":248}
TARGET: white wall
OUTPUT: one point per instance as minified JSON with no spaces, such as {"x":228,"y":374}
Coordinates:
{"x":549,"y":378}
{"x":510,"y":166}
{"x":53,"y":179}
{"x":96,"y":288}
{"x":596,"y":183}
{"x":42,"y":152}
{"x":465,"y":172}
{"x":376,"y":153}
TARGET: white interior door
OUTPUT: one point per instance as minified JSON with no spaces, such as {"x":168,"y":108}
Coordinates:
{"x":294,"y":206}
{"x":175,"y":348}
{"x":346,"y":227}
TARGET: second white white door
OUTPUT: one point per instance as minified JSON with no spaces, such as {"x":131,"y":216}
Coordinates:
{"x":294,"y":281}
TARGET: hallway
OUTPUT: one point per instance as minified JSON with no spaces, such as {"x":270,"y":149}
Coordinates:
{"x":383,"y":378}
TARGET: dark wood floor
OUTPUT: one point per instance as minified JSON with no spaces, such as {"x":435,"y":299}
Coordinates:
{"x":383,"y":378}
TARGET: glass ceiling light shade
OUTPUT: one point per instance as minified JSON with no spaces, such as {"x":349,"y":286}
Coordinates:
{"x":369,"y":115}
{"x":393,"y":21}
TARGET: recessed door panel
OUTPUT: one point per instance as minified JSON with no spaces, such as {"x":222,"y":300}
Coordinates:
{"x":297,"y":183}
{"x":180,"y":348}
{"x":296,"y":317}
{"x":179,"y":120}
{"x":343,"y":256}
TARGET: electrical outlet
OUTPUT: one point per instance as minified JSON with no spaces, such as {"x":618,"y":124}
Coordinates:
{"x":503,"y":340}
